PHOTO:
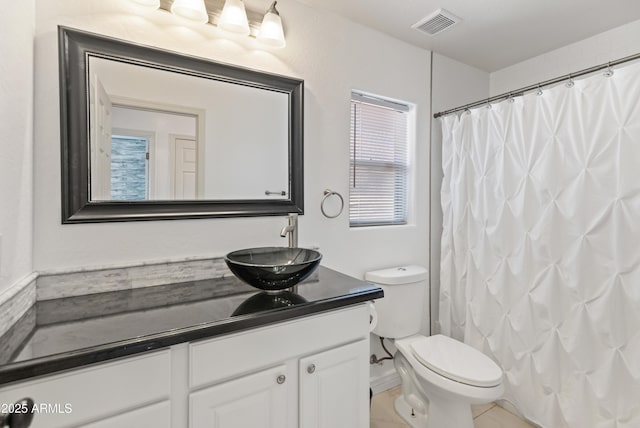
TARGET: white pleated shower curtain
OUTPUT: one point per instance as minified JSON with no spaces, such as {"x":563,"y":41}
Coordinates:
{"x":540,"y":261}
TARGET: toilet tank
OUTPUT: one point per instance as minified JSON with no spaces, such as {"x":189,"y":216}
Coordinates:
{"x":401,"y":309}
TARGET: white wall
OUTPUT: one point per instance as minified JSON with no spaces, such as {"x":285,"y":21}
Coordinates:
{"x":454,"y":84}
{"x":610,"y":45}
{"x":331,"y":54}
{"x":16,"y":139}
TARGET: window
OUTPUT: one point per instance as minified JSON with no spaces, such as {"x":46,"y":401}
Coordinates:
{"x":129,"y":168}
{"x":379,"y":161}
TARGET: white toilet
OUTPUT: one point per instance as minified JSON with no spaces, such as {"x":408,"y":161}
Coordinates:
{"x":441,"y":377}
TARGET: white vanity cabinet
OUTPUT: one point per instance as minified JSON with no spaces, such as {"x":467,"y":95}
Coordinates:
{"x":332,"y":392}
{"x":310,"y":372}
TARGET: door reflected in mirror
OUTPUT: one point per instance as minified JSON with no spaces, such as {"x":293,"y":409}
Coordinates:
{"x":160,"y":135}
{"x":153,"y":156}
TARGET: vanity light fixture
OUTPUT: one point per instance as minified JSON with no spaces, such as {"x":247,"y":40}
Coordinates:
{"x":193,"y":10}
{"x":148,"y":3}
{"x":271,"y":32}
{"x":229,"y":16}
{"x":234,"y":18}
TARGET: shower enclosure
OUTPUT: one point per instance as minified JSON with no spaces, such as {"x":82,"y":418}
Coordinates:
{"x":540,"y":264}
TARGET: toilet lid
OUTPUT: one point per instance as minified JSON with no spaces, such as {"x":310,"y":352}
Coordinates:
{"x":456,"y":361}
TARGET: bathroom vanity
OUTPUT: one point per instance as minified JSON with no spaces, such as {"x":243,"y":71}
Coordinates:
{"x":240,"y":358}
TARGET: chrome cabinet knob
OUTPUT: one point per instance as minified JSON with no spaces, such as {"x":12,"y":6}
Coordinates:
{"x":280,"y":379}
{"x":20,"y":414}
{"x":311,"y":368}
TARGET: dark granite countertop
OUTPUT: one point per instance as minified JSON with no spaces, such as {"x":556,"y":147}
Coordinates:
{"x":66,"y":333}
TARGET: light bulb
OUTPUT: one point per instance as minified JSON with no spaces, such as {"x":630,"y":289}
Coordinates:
{"x":271,"y":32}
{"x":234,"y":18}
{"x":193,"y":10}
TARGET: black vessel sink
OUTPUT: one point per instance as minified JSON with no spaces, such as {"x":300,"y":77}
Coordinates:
{"x":273,"y":268}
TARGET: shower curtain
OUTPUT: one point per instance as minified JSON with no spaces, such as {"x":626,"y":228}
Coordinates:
{"x":540,"y":261}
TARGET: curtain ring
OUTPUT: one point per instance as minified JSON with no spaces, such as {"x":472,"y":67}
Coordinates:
{"x":570,"y":83}
{"x":609,"y":71}
{"x":327,"y":193}
{"x":539,"y":92}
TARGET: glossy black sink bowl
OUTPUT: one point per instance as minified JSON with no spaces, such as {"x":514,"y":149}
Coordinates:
{"x":273,"y":268}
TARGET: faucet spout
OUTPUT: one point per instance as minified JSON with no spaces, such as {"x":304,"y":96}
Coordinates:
{"x":285,"y":230}
{"x":292,"y":230}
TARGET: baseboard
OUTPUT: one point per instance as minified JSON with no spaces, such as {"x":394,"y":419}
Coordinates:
{"x":382,"y":383}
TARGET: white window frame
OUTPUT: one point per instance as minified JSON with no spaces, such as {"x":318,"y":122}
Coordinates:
{"x":400,"y":214}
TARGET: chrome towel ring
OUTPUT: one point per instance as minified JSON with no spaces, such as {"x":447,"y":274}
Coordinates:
{"x":327,"y":194}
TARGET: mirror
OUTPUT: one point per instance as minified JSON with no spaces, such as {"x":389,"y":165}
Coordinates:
{"x":151,"y":134}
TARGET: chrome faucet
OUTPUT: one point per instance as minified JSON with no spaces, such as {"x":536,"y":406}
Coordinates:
{"x":292,"y":230}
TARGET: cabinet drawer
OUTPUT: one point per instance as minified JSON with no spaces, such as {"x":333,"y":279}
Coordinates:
{"x":96,"y":392}
{"x":217,"y":359}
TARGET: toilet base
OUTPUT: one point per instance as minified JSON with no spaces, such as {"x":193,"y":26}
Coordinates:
{"x":404,"y":410}
{"x":442,"y":414}
{"x":445,"y":413}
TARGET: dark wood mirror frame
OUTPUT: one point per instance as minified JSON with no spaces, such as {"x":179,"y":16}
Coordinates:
{"x":75,"y":48}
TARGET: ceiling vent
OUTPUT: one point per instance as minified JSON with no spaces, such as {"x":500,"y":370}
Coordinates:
{"x":437,"y":22}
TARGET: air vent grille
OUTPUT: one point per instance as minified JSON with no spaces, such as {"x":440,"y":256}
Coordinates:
{"x":437,"y":22}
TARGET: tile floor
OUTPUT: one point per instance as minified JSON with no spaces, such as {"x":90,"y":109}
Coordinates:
{"x":383,"y":414}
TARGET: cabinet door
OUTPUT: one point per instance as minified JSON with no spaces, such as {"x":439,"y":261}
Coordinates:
{"x":257,"y":400}
{"x":334,"y":388}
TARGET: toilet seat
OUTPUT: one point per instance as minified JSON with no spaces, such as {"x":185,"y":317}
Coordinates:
{"x":456,"y":361}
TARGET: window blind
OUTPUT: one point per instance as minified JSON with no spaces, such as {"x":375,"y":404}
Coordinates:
{"x":379,"y":162}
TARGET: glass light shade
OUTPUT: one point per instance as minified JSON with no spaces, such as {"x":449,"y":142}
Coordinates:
{"x":193,"y":10}
{"x":234,"y":18}
{"x":148,"y":3}
{"x":271,"y":32}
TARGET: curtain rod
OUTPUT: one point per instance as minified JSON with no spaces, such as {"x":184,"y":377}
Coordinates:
{"x":521,"y":91}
